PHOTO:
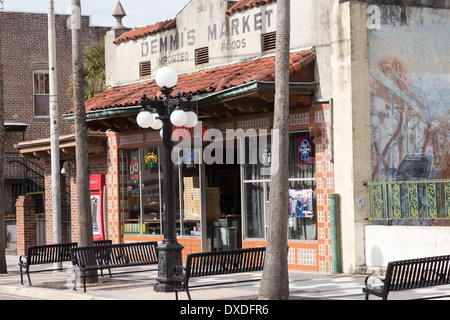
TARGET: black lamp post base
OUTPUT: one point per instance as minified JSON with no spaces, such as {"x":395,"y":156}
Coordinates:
{"x":164,"y":287}
{"x":169,"y":257}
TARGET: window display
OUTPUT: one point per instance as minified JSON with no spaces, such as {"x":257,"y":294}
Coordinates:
{"x":302,"y":224}
{"x":143,"y":197}
{"x":302,"y":195}
{"x":189,"y":224}
{"x":151,"y":193}
{"x":142,"y":194}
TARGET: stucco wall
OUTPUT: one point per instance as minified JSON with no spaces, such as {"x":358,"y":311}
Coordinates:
{"x":350,"y":86}
{"x":391,"y":243}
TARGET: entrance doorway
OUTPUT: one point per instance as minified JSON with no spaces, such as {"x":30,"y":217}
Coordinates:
{"x":224,"y":228}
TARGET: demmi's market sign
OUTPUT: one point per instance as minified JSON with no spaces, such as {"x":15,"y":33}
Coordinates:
{"x":233,"y":33}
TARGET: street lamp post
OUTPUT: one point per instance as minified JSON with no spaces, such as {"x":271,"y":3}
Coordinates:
{"x":165,"y":114}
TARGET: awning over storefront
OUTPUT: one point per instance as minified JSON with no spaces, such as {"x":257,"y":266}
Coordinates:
{"x":215,"y":91}
{"x":41,"y":149}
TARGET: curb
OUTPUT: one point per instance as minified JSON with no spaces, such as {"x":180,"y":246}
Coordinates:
{"x":45,"y":294}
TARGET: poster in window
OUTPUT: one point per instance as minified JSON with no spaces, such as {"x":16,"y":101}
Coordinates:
{"x":300,"y":203}
{"x":134,"y":167}
{"x":304,"y":150}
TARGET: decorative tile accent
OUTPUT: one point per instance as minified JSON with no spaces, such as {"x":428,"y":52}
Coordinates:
{"x":152,"y":136}
{"x":130,"y":139}
{"x":262,"y":123}
{"x":307,"y":257}
{"x":299,"y":118}
{"x":223,"y":126}
{"x":319,"y":116}
{"x":291,"y":256}
{"x":322,"y":250}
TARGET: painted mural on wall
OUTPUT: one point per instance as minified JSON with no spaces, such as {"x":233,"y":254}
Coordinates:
{"x":410,"y":96}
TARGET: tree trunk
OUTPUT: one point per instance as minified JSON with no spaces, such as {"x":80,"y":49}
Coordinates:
{"x":3,"y":267}
{"x":84,"y":217}
{"x":275,"y":278}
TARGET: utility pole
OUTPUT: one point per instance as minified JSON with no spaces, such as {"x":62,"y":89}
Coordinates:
{"x":3,"y":266}
{"x":54,"y":127}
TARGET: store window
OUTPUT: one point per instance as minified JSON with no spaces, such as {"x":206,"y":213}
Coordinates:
{"x":302,"y":183}
{"x":302,"y":213}
{"x":189,"y":217}
{"x":142,"y":191}
{"x":143,"y":196}
{"x":256,"y":184}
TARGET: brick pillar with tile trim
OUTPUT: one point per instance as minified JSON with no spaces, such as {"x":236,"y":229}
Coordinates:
{"x":26,"y":223}
{"x":114,"y":230}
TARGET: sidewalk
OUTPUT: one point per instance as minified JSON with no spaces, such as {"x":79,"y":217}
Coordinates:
{"x":58,"y":285}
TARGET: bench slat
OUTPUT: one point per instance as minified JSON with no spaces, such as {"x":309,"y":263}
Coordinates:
{"x":413,"y":274}
{"x":114,"y":256}
{"x":45,"y":254}
{"x":221,"y":263}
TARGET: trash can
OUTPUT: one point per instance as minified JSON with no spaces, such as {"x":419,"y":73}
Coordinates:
{"x":225,"y":236}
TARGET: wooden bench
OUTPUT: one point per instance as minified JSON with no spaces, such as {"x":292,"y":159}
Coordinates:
{"x":113,"y":256}
{"x":410,"y":274}
{"x":218,"y":263}
{"x":45,"y":254}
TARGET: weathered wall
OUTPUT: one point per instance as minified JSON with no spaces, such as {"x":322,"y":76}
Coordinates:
{"x":409,"y":86}
{"x":230,"y":38}
{"x":350,"y":85}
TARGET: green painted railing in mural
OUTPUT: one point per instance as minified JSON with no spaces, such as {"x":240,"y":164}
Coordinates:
{"x":418,"y":200}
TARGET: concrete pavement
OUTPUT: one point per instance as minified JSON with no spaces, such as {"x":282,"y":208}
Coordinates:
{"x":58,"y":285}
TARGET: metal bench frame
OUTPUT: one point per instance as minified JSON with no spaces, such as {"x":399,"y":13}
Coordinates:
{"x":45,"y":254}
{"x":218,"y":263}
{"x":113,"y":256}
{"x":411,"y":274}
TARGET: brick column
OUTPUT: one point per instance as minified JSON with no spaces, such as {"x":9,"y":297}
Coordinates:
{"x":113,"y":189}
{"x":26,"y":224}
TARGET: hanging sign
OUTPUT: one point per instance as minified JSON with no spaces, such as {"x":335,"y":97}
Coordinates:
{"x":151,"y":160}
{"x":304,"y":150}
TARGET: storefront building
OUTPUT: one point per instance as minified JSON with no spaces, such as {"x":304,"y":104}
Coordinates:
{"x":225,"y":60}
{"x":367,"y":103}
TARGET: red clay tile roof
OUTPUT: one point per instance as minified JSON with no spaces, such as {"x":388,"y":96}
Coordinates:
{"x":247,"y":4}
{"x":201,"y":82}
{"x":148,"y":30}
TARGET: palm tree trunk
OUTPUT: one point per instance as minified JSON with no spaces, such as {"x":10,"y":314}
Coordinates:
{"x":275,"y":278}
{"x":84,"y":217}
